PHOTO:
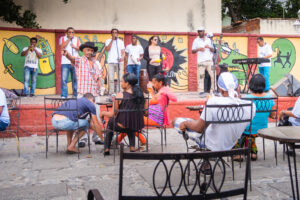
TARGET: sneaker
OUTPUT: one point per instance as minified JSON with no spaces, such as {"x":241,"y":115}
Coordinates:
{"x":32,"y":95}
{"x":82,"y":143}
{"x":63,"y":97}
{"x":97,"y":140}
{"x":203,"y":94}
{"x":216,"y":93}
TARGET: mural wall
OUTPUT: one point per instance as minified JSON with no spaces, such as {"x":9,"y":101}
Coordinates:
{"x":12,"y":63}
{"x":174,"y":48}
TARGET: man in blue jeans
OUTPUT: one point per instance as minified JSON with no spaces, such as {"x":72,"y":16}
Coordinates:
{"x":4,"y":116}
{"x":67,"y":120}
{"x":71,"y":44}
{"x":133,"y":56}
{"x":32,"y":55}
{"x":265,"y":51}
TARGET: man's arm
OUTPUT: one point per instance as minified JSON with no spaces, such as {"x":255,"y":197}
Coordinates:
{"x":1,"y":109}
{"x":38,"y":54}
{"x":195,"y":125}
{"x":64,"y":44}
{"x":122,"y":55}
{"x":97,"y":127}
{"x":71,"y":58}
{"x":107,"y":48}
{"x":24,"y":53}
{"x":126,"y":61}
{"x":286,"y":113}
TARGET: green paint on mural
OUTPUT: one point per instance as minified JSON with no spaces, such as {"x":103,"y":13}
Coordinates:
{"x":284,"y":61}
{"x":14,"y":62}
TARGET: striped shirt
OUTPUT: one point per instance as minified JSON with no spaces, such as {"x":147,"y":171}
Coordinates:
{"x":87,"y":76}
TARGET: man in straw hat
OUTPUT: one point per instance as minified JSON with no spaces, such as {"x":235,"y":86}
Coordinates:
{"x":88,"y":71}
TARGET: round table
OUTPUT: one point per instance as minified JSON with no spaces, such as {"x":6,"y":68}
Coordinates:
{"x":288,"y":135}
{"x":196,"y":108}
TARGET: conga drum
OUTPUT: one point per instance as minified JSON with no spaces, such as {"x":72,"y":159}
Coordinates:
{"x":144,"y":79}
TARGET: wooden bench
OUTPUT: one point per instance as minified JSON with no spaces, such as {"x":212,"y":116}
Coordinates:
{"x":200,"y":175}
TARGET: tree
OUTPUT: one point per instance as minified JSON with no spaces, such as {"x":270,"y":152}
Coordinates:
{"x":292,"y":7}
{"x":248,"y":9}
{"x":10,"y":12}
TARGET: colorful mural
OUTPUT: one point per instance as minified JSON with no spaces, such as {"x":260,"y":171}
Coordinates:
{"x":12,"y":63}
{"x":174,"y":49}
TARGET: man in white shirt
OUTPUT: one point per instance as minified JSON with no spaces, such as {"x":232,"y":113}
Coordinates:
{"x":32,"y":55}
{"x":221,"y":137}
{"x":265,"y":51}
{"x":294,"y":115}
{"x":4,"y":116}
{"x":133,"y":56}
{"x":71,"y":44}
{"x":204,"y":49}
{"x":116,"y":52}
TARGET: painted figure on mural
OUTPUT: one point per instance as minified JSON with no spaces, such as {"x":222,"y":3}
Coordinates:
{"x":116,"y":53}
{"x":265,"y":51}
{"x":153,"y":57}
{"x":133,"y":55}
{"x":88,"y":71}
{"x":71,"y":44}
{"x":32,"y":55}
{"x":202,"y":45}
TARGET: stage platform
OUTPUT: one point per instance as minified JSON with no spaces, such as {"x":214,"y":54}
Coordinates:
{"x":32,"y":116}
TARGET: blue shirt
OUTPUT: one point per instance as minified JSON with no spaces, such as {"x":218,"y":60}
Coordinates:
{"x":85,"y":107}
{"x":4,"y":116}
{"x":260,"y":120}
{"x":296,"y":112}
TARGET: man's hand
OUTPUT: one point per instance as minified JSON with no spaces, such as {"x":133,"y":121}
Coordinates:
{"x":64,"y":52}
{"x":281,"y":115}
{"x":201,"y":49}
{"x":182,"y":126}
{"x":73,"y":46}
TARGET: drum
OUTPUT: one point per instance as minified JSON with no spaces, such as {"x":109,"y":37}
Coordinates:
{"x":144,"y":80}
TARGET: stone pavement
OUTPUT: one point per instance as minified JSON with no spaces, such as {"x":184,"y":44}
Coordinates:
{"x":63,"y":176}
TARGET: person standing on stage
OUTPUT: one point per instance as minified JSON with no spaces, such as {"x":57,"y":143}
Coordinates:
{"x":265,"y":51}
{"x":116,"y":52}
{"x":71,"y":44}
{"x":88,"y":71}
{"x":133,"y":56}
{"x":203,"y":47}
{"x":32,"y":55}
{"x":153,"y":57}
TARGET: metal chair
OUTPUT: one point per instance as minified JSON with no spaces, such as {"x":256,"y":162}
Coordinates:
{"x":263,"y":105}
{"x":14,"y":106}
{"x":162,"y":128}
{"x":52,"y":104}
{"x":176,"y":165}
{"x":136,"y":109}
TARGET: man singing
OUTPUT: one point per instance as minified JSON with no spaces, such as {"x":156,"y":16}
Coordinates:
{"x":116,"y":52}
{"x":71,"y":44}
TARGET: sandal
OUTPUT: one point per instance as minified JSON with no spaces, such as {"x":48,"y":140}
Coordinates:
{"x":253,"y":156}
{"x":238,"y":158}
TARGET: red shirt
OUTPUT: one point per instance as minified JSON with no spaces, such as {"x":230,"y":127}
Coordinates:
{"x":87,"y":76}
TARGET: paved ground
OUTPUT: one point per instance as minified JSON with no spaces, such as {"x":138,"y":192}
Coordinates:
{"x":63,"y":176}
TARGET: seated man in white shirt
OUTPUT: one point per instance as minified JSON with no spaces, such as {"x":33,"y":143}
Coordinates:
{"x":220,"y":137}
{"x":294,"y":114}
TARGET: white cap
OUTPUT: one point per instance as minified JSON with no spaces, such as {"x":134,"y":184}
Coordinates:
{"x":210,"y":34}
{"x":200,"y":28}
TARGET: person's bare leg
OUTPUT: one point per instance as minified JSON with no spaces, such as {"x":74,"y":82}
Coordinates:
{"x":72,"y":147}
{"x":69,"y":137}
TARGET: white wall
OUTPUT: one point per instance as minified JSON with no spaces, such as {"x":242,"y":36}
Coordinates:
{"x":277,"y":26}
{"x":137,"y":15}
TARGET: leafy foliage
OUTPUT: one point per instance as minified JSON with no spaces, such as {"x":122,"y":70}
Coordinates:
{"x":248,"y":9}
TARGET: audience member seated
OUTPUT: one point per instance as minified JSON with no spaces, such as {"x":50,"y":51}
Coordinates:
{"x":219,"y":137}
{"x":257,"y":87}
{"x":67,"y":120}
{"x":126,"y":122}
{"x":293,"y":115}
{"x":157,"y":116}
{"x":4,"y":116}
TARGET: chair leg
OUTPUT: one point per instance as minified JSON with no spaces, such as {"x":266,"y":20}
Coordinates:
{"x":165,"y":130}
{"x":264,"y":148}
{"x":275,"y":149}
{"x":78,"y":144}
{"x":18,"y":145}
{"x":232,"y":167}
{"x":56,"y":142}
{"x":89,"y":143}
{"x":283,"y":153}
{"x":46,"y":146}
{"x":161,"y":139}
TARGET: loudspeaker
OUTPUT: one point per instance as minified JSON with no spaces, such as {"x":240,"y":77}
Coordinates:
{"x":287,"y":86}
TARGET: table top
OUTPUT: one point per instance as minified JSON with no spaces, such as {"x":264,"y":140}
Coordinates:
{"x":200,"y":107}
{"x":104,"y":103}
{"x":285,"y":134}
